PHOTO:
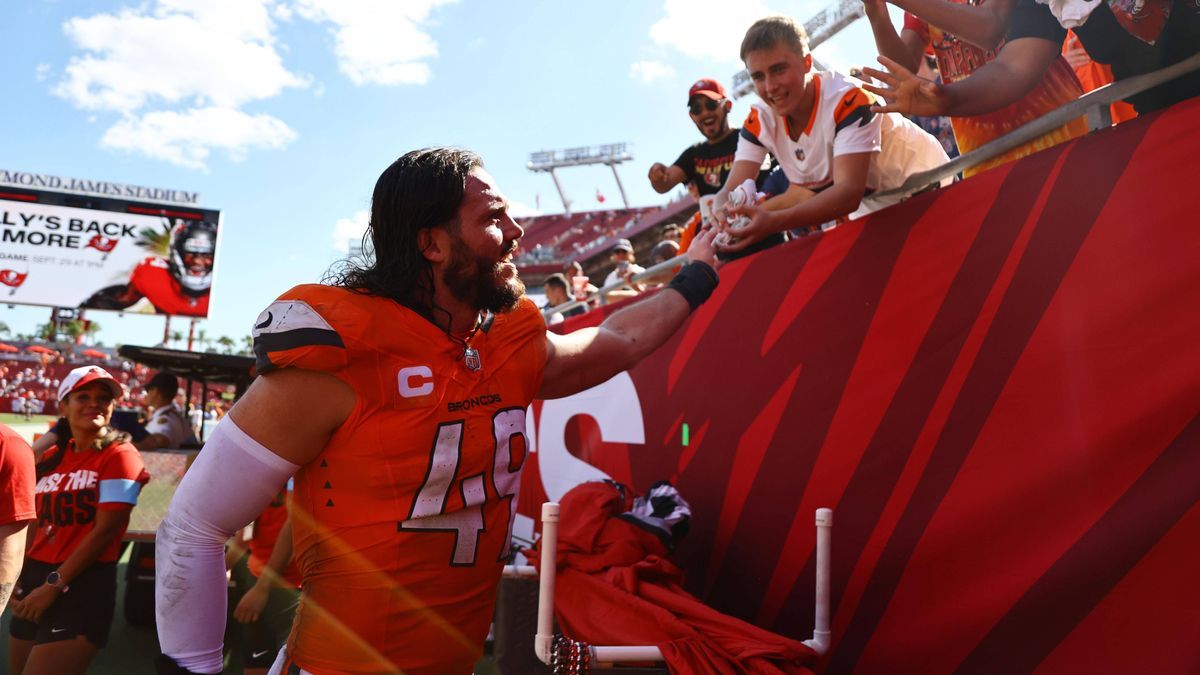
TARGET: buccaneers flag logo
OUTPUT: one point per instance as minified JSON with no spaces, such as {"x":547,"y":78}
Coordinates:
{"x":12,"y":278}
{"x":102,"y":244}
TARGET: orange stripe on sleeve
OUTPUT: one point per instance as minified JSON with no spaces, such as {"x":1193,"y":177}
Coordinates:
{"x":851,"y":101}
{"x":753,"y":124}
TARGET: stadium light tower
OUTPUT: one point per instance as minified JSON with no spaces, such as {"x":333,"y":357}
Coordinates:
{"x":610,"y":155}
{"x":822,"y":26}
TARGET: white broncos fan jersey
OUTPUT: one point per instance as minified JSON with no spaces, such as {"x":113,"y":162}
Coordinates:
{"x":841,"y":123}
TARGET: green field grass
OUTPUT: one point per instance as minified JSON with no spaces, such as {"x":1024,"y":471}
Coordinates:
{"x":27,"y":428}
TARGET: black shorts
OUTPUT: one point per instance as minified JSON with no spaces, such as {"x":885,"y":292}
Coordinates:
{"x":85,"y":609}
{"x":264,"y":637}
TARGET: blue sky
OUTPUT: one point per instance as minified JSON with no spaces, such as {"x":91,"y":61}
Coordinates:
{"x":282,"y":113}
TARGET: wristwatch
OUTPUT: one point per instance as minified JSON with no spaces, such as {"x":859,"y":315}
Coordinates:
{"x":54,"y":579}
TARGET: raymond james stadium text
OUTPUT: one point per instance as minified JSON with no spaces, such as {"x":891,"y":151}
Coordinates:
{"x":97,"y":187}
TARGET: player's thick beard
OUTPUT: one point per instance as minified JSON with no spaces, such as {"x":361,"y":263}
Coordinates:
{"x":477,"y":280}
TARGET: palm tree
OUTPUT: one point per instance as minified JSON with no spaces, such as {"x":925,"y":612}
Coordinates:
{"x":248,"y":345}
{"x":4,"y":330}
{"x":226,"y":343}
{"x":202,"y":338}
{"x":176,"y":337}
{"x":91,"y":328}
{"x":156,"y":242}
{"x":74,"y":328}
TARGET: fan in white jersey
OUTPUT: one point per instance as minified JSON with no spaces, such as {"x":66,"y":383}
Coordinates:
{"x":820,"y":128}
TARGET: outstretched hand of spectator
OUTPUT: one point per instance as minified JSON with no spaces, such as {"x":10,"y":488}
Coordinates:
{"x":762,"y":224}
{"x":906,"y":93}
{"x":663,"y":177}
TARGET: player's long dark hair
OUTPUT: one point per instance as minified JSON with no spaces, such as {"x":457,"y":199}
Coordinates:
{"x":423,"y":189}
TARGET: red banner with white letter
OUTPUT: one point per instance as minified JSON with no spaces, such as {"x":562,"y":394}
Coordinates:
{"x":995,"y":386}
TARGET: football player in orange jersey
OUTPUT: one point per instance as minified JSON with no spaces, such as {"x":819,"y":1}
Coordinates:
{"x":396,"y":396}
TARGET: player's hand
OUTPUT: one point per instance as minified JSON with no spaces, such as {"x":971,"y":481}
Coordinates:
{"x":32,"y":606}
{"x":702,"y":248}
{"x":762,"y":224}
{"x":658,"y":172}
{"x":906,"y":93}
{"x":250,"y":607}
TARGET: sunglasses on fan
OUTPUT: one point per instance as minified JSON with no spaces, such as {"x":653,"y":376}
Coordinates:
{"x":699,"y":106}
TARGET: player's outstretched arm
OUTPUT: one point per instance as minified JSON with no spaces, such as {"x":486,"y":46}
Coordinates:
{"x":587,"y":357}
{"x":283,"y":422}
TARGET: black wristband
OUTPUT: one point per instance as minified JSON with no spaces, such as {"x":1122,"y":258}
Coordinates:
{"x":695,"y":282}
{"x":165,"y":665}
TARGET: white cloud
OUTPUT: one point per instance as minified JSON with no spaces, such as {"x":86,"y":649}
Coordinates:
{"x":198,"y":52}
{"x":648,"y":72}
{"x":709,"y":29}
{"x":187,"y":138}
{"x":41,"y":72}
{"x":178,"y":72}
{"x":347,"y":231}
{"x":378,"y":41}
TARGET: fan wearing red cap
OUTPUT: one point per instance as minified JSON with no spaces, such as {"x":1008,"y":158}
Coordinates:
{"x":87,"y":485}
{"x":705,"y":164}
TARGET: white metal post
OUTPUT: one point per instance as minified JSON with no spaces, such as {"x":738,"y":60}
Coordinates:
{"x":544,"y":641}
{"x":821,"y":633}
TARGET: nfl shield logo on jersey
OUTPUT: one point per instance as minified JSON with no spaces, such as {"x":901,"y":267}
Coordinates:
{"x":800,"y":154}
{"x":471,"y":359}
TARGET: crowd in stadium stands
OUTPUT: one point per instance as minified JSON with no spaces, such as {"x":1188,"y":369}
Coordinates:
{"x":554,"y":237}
{"x":23,"y":382}
{"x":29,"y":387}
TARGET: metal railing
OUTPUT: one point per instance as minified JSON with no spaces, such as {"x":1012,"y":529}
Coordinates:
{"x":648,"y":273}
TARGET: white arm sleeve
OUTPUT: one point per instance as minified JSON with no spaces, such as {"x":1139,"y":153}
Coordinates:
{"x":230,"y":483}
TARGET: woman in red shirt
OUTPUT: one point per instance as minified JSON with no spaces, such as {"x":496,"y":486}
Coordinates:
{"x":87,"y":485}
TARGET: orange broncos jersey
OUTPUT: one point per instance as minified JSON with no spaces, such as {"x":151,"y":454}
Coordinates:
{"x":402,"y":523}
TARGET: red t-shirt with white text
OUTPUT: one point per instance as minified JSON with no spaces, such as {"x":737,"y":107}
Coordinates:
{"x":69,"y":496}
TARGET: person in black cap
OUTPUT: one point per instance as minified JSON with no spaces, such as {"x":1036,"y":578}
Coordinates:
{"x":624,"y":263}
{"x":167,"y":427}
